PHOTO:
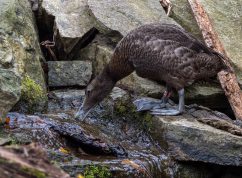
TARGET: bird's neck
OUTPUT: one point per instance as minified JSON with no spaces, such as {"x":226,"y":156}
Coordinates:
{"x":118,"y":68}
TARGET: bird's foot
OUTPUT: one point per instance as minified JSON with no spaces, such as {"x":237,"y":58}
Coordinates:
{"x":165,"y":112}
{"x":146,"y":104}
{"x":157,"y":107}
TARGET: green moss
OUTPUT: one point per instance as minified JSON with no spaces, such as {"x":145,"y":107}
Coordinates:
{"x":147,"y":121}
{"x":96,"y":171}
{"x":127,"y":109}
{"x":32,"y":93}
{"x":2,"y":161}
{"x":34,"y":172}
{"x":120,"y":109}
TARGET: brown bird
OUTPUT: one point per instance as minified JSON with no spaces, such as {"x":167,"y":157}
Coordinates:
{"x":159,"y":52}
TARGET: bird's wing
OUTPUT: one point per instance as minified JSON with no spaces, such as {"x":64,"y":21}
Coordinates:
{"x":173,"y":33}
{"x":174,"y":59}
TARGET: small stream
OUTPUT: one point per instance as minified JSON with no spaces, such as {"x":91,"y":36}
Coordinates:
{"x":102,"y":139}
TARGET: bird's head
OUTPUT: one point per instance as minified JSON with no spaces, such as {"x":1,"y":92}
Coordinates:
{"x":95,"y":92}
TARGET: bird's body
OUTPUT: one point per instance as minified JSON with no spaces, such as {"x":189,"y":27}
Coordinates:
{"x":164,"y":52}
{"x":159,"y":52}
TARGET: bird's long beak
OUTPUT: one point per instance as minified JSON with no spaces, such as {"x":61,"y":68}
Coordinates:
{"x":81,"y":114}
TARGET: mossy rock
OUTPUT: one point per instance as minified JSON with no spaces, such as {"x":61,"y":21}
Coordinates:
{"x":33,"y":96}
{"x":20,"y":52}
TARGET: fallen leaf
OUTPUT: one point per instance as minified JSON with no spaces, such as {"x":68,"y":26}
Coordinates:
{"x":80,"y":176}
{"x":7,"y":120}
{"x":131,"y":163}
{"x":63,"y":150}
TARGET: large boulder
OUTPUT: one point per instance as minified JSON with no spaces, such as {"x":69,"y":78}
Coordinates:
{"x":72,"y":23}
{"x":226,"y":17}
{"x":20,"y":56}
{"x":200,"y":135}
{"x":124,"y":16}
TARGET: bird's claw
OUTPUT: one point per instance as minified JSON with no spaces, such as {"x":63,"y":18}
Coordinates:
{"x":165,"y":112}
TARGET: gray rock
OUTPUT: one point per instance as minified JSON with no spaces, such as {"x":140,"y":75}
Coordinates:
{"x":20,"y":55}
{"x":202,"y":136}
{"x":69,"y":73}
{"x":118,"y":93}
{"x":72,"y":21}
{"x":65,"y":100}
{"x":183,"y":15}
{"x":9,"y":90}
{"x":74,"y":25}
{"x":124,"y":16}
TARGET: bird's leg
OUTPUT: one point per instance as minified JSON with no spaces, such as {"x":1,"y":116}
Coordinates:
{"x":170,"y":111}
{"x":144,"y":104}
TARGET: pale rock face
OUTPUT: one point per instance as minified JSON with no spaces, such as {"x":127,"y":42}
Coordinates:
{"x":182,"y":14}
{"x":124,"y":16}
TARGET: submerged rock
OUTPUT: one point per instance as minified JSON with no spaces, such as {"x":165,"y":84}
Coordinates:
{"x":61,"y":100}
{"x":69,"y":73}
{"x":20,"y":54}
{"x":68,"y":144}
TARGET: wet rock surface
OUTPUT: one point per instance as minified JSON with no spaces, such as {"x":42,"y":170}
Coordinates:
{"x":113,"y":136}
{"x":26,"y":162}
{"x":69,"y":73}
{"x":129,"y":151}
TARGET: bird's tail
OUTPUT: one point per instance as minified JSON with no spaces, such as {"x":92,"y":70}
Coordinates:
{"x":225,"y":62}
